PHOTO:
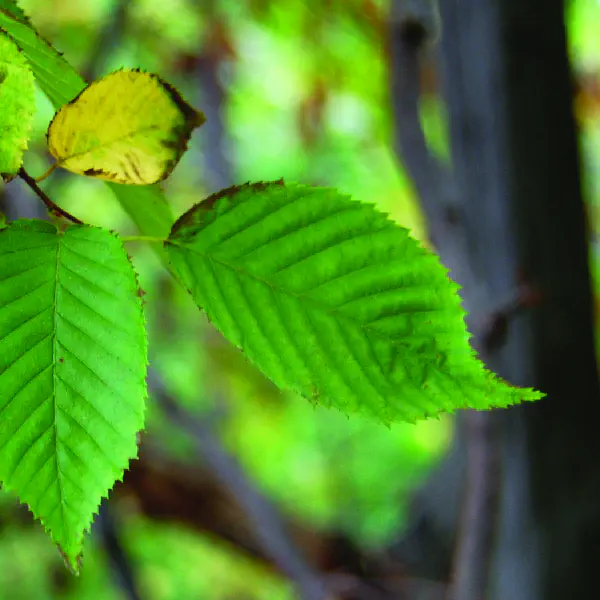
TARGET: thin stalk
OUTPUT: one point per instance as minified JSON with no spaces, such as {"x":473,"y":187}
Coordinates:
{"x":142,"y":238}
{"x":50,"y":205}
{"x":47,"y":173}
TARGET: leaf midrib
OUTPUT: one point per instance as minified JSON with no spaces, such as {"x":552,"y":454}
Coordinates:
{"x":143,"y":130}
{"x":278,"y":289}
{"x":55,"y":377}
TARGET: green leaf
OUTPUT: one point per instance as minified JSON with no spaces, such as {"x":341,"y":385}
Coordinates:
{"x":58,"y":80}
{"x":333,"y":300}
{"x":17,"y":105}
{"x":128,"y":127}
{"x":146,"y":206}
{"x":72,"y":372}
{"x":11,"y":8}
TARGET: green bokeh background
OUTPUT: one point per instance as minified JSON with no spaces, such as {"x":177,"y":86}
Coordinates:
{"x":305,"y":97}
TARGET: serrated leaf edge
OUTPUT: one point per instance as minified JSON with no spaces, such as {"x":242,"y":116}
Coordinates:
{"x":75,"y":565}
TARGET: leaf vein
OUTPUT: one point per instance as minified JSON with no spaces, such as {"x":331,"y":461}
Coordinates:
{"x":111,"y":389}
{"x":91,"y":405}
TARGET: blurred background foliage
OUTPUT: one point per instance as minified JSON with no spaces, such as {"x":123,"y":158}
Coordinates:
{"x":295,"y":89}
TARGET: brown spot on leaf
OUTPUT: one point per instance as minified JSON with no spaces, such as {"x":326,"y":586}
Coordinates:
{"x":93,"y":172}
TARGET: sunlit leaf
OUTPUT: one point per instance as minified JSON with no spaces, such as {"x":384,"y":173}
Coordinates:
{"x":17,"y":105}
{"x":59,"y":81}
{"x":128,"y":127}
{"x":333,"y":300}
{"x":12,"y":9}
{"x":72,"y":372}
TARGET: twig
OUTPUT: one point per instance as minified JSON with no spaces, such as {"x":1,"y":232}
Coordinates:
{"x":48,"y":172}
{"x":413,"y":25}
{"x":493,"y":334}
{"x":411,"y":30}
{"x":105,"y":526}
{"x":191,"y":495}
{"x":472,"y":555}
{"x":265,"y":519}
{"x":217,"y":51}
{"x":52,"y":207}
{"x":150,"y":239}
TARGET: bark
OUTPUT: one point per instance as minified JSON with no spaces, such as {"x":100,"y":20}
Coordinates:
{"x":518,"y":216}
{"x":560,"y":434}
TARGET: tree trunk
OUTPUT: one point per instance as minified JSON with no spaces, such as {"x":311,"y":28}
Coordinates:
{"x":519,"y":213}
{"x":561,"y":433}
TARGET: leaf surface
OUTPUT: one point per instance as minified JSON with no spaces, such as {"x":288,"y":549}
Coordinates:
{"x":11,"y":8}
{"x":331,"y":299}
{"x":59,"y":81}
{"x":128,"y":127}
{"x":17,"y":105}
{"x":72,"y":372}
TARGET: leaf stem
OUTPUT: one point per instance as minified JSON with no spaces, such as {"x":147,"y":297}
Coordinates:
{"x":142,"y":238}
{"x":47,"y":173}
{"x":50,"y":205}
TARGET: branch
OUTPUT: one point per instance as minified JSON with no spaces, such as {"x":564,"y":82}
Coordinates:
{"x":104,"y":525}
{"x":213,"y":100}
{"x":50,"y":205}
{"x":413,"y":25}
{"x":192,"y":496}
{"x":492,"y":336}
{"x":477,"y":527}
{"x":265,"y":519}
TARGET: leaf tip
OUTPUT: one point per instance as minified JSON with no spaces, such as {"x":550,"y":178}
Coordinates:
{"x":72,"y":562}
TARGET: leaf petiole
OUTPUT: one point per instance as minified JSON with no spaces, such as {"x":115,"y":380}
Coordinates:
{"x":47,"y":173}
{"x":142,"y":238}
{"x":50,"y":205}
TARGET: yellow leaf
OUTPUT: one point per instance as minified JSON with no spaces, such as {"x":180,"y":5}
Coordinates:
{"x":128,"y":127}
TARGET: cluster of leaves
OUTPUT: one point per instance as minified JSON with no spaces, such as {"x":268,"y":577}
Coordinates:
{"x":326,"y":295}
